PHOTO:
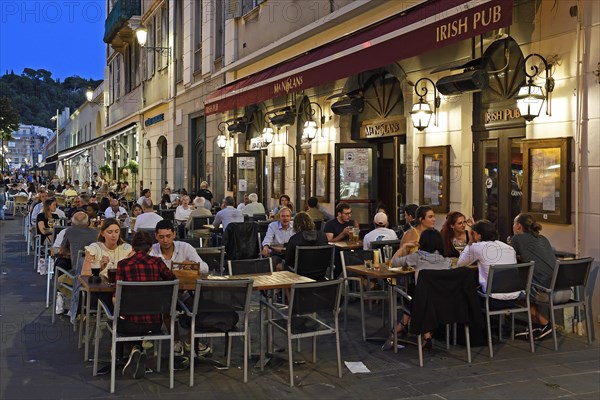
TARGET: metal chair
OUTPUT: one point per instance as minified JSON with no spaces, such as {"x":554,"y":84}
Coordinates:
{"x":167,"y":214}
{"x":195,"y":242}
{"x":240,"y":241}
{"x":314,"y":261}
{"x":569,"y":275}
{"x":20,"y":204}
{"x":61,"y":284}
{"x":214,"y":257}
{"x":380,"y":244}
{"x":138,"y":298}
{"x":219,"y":299}
{"x":302,"y":319}
{"x":356,"y":291}
{"x":508,"y":278}
{"x":254,"y":266}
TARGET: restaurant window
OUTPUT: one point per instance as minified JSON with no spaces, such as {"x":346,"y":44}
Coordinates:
{"x":149,"y":53}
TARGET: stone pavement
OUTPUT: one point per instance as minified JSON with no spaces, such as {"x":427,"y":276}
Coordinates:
{"x":39,"y":360}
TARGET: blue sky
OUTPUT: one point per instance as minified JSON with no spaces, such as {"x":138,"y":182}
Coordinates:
{"x":63,"y":37}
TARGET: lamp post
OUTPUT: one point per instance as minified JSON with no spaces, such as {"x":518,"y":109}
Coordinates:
{"x":309,"y":132}
{"x":531,"y":97}
{"x":421,"y":111}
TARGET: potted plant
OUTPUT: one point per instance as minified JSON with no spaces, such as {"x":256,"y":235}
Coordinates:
{"x":105,"y":171}
{"x":133,"y":167}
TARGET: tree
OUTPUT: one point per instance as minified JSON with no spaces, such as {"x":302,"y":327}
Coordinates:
{"x":9,"y":119}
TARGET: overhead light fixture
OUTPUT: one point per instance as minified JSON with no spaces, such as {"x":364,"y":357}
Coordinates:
{"x":348,"y":105}
{"x":237,"y":125}
{"x":468,"y":81}
{"x":267,"y":135}
{"x":282,"y":117}
{"x":89,"y":95}
{"x":421,"y":112}
{"x":531,"y":97}
{"x":141,"y":34}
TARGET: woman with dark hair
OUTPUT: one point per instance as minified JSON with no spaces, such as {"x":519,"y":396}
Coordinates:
{"x":425,"y":220}
{"x":485,"y":249}
{"x":305,"y":235}
{"x":284,"y":201}
{"x":45,"y":219}
{"x":454,"y":233}
{"x":108,"y":250}
{"x":430,"y":255}
{"x":531,"y":246}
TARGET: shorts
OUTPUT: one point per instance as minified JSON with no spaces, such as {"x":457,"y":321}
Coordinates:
{"x":560,"y":296}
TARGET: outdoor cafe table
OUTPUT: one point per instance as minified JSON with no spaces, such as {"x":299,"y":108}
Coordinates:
{"x":187,"y":281}
{"x":348,"y":245}
{"x":385,"y":273}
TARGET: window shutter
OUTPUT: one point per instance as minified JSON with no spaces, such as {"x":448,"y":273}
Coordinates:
{"x":233,"y":9}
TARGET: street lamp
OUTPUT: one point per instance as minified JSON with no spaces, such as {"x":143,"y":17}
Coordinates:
{"x":141,"y":33}
{"x":309,"y":131}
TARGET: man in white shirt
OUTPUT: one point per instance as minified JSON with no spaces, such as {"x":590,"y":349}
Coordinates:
{"x":148,"y":219}
{"x":115,"y":211}
{"x":381,"y":231}
{"x":254,"y":207}
{"x":243,"y":204}
{"x":171,"y":250}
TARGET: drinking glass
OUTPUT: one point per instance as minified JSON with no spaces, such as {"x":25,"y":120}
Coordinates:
{"x":112,"y":275}
{"x":356,"y":233}
{"x":459,"y":245}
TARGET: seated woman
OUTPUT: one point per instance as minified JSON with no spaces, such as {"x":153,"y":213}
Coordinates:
{"x":45,"y":220}
{"x":108,"y":250}
{"x":425,"y":219}
{"x":429,"y":256}
{"x":130,"y":221}
{"x":455,"y":233}
{"x":305,"y":235}
{"x":284,"y":201}
{"x":485,"y":249}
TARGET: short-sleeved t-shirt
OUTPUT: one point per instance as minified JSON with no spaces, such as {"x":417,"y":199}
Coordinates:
{"x":530,"y":248}
{"x":335,"y":227}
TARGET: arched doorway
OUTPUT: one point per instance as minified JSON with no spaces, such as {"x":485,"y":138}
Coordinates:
{"x":162,"y":151}
{"x":178,"y":168}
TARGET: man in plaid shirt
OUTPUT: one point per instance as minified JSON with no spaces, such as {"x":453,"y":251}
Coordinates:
{"x":141,"y":267}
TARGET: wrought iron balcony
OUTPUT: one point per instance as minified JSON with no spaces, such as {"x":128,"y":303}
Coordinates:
{"x":121,"y":12}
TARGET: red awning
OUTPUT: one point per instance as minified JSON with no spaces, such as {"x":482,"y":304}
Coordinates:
{"x":432,"y":25}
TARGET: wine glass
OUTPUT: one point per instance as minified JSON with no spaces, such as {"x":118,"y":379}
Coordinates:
{"x":458,"y":244}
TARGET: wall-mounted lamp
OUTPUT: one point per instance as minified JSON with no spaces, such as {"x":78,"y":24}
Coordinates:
{"x":421,"y":111}
{"x":267,"y":135}
{"x":531,"y":97}
{"x":310,"y":126}
{"x":141,"y":33}
{"x":222,"y":138}
{"x":89,"y":95}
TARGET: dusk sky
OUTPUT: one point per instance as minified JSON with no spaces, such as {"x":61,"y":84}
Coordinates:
{"x":63,"y":37}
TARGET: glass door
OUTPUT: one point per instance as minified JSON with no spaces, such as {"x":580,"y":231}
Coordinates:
{"x":248,"y":176}
{"x":498,"y":178}
{"x":355,"y":179}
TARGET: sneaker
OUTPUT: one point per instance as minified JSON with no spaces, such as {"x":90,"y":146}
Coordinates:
{"x":178,"y":348}
{"x":132,"y":364}
{"x":147,"y":344}
{"x":542,"y":333}
{"x":60,"y":303}
{"x":525,"y":334}
{"x":387,"y":345}
{"x":202,"y":349}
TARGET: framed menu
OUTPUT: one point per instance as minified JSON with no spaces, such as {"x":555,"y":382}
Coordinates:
{"x":547,"y":188}
{"x":434,"y":174}
{"x":277,"y":177}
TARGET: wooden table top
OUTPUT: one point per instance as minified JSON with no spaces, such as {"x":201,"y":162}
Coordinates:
{"x":348,"y":245}
{"x":384,"y":271}
{"x":187,"y":280}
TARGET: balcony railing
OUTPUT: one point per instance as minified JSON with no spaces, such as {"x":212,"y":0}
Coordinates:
{"x":121,"y":12}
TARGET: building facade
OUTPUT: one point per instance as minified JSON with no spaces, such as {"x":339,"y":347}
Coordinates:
{"x":317,"y":98}
{"x":26,"y":150}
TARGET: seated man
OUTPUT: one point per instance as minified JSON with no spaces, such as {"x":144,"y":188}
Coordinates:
{"x":198,"y":211}
{"x":254,"y":207}
{"x":279,"y":232}
{"x":115,"y":211}
{"x":316,"y":212}
{"x":141,"y":267}
{"x":338,"y":230}
{"x":171,"y":251}
{"x":228,"y":214}
{"x":381,"y":231}
{"x":148,"y":219}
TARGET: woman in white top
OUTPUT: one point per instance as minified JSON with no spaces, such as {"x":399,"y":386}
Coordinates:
{"x":183,"y":211}
{"x":108,"y":250}
{"x":485,"y":249}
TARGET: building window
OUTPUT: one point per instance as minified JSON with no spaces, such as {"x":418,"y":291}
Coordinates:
{"x":198,"y":35}
{"x":149,"y":53}
{"x":163,"y":37}
{"x":219,"y":29}
{"x":178,"y":56}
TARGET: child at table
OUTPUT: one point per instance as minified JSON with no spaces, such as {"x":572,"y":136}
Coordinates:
{"x":429,"y":256}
